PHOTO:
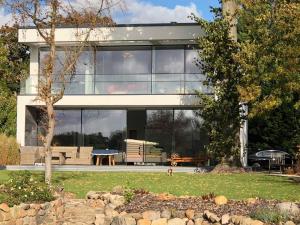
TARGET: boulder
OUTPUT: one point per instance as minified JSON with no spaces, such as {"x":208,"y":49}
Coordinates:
{"x":225,"y":219}
{"x":160,"y":221}
{"x":178,"y":214}
{"x":92,"y":195}
{"x":4,"y":207}
{"x":100,"y":219}
{"x":289,"y":223}
{"x":123,"y":220}
{"x":190,"y":213}
{"x":143,"y":222}
{"x":289,"y":208}
{"x":166,"y":213}
{"x":190,"y":222}
{"x":211,"y":216}
{"x":220,"y":200}
{"x":151,"y":215}
{"x":251,"y":201}
{"x":176,"y":221}
{"x":136,"y":216}
{"x":109,"y":212}
{"x":198,"y":221}
{"x":117,"y":200}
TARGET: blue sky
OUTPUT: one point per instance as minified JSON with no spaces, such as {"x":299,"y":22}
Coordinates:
{"x":152,"y":11}
{"x":202,"y":5}
{"x":159,"y":11}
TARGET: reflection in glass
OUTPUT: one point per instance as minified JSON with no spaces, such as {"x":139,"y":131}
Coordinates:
{"x":68,"y":128}
{"x":159,"y":129}
{"x":168,"y":61}
{"x":116,"y":61}
{"x":104,"y":128}
{"x":191,"y":57}
{"x":190,"y":137}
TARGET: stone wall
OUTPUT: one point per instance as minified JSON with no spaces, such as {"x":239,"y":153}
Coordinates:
{"x":49,"y":213}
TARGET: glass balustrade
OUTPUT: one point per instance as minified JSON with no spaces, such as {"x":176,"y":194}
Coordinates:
{"x":90,"y":84}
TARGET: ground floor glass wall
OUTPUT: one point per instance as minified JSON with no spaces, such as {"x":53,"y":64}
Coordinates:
{"x":162,"y":132}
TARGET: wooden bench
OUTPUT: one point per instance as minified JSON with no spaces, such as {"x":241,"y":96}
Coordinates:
{"x":196,"y":160}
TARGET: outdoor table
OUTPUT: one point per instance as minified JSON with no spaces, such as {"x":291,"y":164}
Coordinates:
{"x":101,"y":153}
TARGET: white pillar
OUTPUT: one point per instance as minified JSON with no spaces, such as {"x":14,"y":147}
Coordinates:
{"x":244,"y":137}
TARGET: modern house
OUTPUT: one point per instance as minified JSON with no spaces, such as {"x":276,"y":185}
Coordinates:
{"x":133,"y":91}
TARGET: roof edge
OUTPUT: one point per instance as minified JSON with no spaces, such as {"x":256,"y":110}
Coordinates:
{"x":123,"y":25}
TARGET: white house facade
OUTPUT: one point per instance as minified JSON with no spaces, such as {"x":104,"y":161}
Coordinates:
{"x":133,"y":82}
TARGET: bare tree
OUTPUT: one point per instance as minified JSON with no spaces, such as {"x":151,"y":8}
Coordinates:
{"x":47,"y":16}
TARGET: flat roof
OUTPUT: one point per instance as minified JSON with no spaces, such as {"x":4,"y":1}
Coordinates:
{"x":122,"y":25}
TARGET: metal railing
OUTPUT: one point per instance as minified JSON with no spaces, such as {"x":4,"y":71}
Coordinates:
{"x":90,"y":84}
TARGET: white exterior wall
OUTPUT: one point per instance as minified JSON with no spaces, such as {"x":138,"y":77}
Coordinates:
{"x":135,"y":35}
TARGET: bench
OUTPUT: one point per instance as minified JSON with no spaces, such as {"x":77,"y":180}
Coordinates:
{"x":196,"y":160}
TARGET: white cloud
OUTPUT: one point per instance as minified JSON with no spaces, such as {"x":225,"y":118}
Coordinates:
{"x":145,"y":12}
{"x":5,"y":18}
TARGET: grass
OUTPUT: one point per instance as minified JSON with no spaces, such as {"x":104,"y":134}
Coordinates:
{"x":233,"y":186}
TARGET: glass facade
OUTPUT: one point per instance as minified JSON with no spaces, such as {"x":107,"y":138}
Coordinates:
{"x":168,"y":130}
{"x":130,"y":70}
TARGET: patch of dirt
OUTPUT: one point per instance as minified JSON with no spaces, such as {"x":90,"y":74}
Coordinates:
{"x":143,"y":202}
{"x":224,"y":168}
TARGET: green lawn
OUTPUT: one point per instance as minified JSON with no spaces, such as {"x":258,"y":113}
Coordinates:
{"x":234,"y":186}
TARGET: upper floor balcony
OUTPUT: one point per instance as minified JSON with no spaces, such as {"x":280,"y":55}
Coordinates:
{"x":126,"y":70}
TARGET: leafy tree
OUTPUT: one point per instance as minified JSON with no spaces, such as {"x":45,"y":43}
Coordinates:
{"x":14,"y":65}
{"x":269,"y":36}
{"x":221,"y":111}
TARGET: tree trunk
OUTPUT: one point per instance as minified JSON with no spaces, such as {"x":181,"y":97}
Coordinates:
{"x":48,"y":141}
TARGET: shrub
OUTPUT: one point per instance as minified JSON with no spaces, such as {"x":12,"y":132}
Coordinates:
{"x":9,"y":150}
{"x":27,"y":188}
{"x":267,"y":215}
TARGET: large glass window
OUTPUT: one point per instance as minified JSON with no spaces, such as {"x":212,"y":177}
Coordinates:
{"x":114,"y":61}
{"x":104,"y":129}
{"x":166,"y":60}
{"x":68,"y":128}
{"x":188,"y":138}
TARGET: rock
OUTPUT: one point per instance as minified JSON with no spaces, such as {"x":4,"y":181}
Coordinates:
{"x":178,"y":214}
{"x":5,"y":216}
{"x":225,"y":219}
{"x":190,"y":222}
{"x":205,"y":222}
{"x":221,"y":200}
{"x":236,"y":219}
{"x":257,"y":222}
{"x":289,"y":208}
{"x":136,"y":216}
{"x":117,"y":200}
{"x":165,"y":197}
{"x":176,"y":221}
{"x":198,"y":215}
{"x":151,"y":215}
{"x":21,"y":213}
{"x":211,"y":216}
{"x":190,"y":213}
{"x":289,"y":223}
{"x":166,"y":213}
{"x":92,"y":195}
{"x":96,"y":203}
{"x":123,"y":213}
{"x":112,"y":206}
{"x":143,"y":222}
{"x":123,"y":220}
{"x":161,"y":221}
{"x":251,"y":200}
{"x":118,"y":189}
{"x":4,"y":207}
{"x":100,"y":219}
{"x":199,"y":221}
{"x":109,"y":212}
